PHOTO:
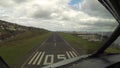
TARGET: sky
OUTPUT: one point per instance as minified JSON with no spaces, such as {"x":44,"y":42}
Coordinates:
{"x":73,"y":2}
{"x":58,"y":15}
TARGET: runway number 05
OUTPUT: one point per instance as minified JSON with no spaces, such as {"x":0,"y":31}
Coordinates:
{"x":49,"y":59}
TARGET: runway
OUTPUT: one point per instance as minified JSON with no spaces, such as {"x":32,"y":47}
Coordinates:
{"x":53,"y":50}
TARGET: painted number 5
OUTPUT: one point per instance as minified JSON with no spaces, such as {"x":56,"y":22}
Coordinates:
{"x":61,"y":57}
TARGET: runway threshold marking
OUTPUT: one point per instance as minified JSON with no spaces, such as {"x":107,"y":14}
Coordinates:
{"x":39,"y":61}
{"x":74,"y":53}
{"x":68,"y":55}
{"x":71,"y":54}
{"x":36,"y":58}
{"x":41,"y":58}
{"x":33,"y":58}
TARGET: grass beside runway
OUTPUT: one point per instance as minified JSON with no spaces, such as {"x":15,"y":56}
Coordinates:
{"x":86,"y":45}
{"x":16,"y":47}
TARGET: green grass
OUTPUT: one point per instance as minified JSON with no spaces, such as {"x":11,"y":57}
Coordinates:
{"x":15,"y":48}
{"x":113,"y":49}
{"x":88,"y":46}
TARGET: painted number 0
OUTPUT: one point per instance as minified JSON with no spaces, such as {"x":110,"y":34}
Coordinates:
{"x":51,"y":59}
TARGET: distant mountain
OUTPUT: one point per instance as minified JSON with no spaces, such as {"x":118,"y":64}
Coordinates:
{"x":7,"y":26}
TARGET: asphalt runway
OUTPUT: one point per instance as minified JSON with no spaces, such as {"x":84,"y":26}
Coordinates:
{"x":53,"y":50}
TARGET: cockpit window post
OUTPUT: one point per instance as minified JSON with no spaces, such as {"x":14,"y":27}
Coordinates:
{"x":113,"y":37}
{"x":113,"y":8}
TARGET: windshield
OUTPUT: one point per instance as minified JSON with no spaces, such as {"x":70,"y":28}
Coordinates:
{"x":37,"y":33}
{"x":115,"y":47}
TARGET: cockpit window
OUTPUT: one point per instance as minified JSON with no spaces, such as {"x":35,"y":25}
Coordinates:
{"x":37,"y":33}
{"x":115,"y":47}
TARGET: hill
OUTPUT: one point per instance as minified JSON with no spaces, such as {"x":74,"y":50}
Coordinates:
{"x":8,"y":29}
{"x":16,"y":41}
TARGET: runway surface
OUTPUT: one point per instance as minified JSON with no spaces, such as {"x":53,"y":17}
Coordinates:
{"x":53,"y":50}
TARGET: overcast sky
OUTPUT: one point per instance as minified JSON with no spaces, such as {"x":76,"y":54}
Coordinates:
{"x":58,"y":15}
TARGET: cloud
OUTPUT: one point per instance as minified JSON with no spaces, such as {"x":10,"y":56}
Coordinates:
{"x":20,"y":1}
{"x":58,"y":15}
{"x":6,"y":3}
{"x":94,"y":8}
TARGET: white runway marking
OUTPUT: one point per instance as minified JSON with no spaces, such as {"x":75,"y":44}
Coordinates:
{"x":51,"y":60}
{"x":74,"y":53}
{"x":39,"y":57}
{"x":71,"y":54}
{"x":33,"y":58}
{"x":55,"y":44}
{"x":61,"y":56}
{"x":68,"y":55}
{"x":39,"y":61}
{"x":46,"y":57}
{"x":36,"y":58}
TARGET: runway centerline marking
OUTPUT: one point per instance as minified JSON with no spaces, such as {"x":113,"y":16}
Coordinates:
{"x":55,"y":44}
